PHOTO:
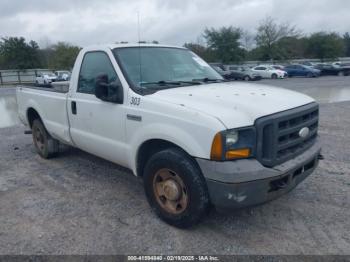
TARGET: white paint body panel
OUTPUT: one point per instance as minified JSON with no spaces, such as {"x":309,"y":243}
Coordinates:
{"x":187,"y":116}
{"x":235,"y":104}
{"x":51,"y":107}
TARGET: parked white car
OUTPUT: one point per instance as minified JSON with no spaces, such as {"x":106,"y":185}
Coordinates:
{"x":337,"y":64}
{"x":269,"y":72}
{"x":62,"y":75}
{"x":45,"y":78}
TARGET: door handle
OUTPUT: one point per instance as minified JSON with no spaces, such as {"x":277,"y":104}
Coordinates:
{"x":74,"y":107}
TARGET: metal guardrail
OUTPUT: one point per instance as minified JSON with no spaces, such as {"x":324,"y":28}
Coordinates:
{"x":9,"y":77}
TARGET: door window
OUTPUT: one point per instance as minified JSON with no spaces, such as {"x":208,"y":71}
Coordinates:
{"x":95,"y":64}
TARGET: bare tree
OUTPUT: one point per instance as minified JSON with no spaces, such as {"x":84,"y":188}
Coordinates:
{"x":270,"y":32}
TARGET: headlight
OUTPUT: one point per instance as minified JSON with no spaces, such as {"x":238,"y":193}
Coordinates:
{"x":231,"y":137}
{"x":233,"y":144}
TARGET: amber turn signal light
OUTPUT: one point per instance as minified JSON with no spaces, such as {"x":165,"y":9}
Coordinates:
{"x":237,"y":153}
{"x":216,"y":148}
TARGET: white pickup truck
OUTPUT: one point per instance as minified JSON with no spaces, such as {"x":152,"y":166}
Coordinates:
{"x":165,"y":114}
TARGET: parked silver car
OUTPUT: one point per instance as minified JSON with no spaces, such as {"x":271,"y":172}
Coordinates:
{"x":243,"y":73}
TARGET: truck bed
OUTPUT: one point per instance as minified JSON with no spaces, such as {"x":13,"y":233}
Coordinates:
{"x":58,"y":87}
{"x":48,"y":102}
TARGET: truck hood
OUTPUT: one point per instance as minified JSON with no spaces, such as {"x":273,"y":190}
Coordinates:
{"x":234,"y":104}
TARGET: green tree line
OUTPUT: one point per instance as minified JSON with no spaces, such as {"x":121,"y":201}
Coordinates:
{"x":16,"y":53}
{"x":271,"y":41}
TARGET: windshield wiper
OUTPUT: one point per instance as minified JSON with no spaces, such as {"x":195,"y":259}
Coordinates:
{"x":161,"y":83}
{"x":207,"y":80}
{"x":170,"y":83}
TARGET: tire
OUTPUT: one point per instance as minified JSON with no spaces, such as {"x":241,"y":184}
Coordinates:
{"x":187,"y":201}
{"x":309,"y":75}
{"x":341,"y":73}
{"x":45,"y":145}
{"x":274,"y":76}
{"x":246,"y":78}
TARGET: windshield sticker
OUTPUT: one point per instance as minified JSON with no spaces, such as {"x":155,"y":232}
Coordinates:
{"x":200,"y":61}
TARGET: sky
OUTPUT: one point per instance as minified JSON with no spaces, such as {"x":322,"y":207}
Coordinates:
{"x":87,"y":22}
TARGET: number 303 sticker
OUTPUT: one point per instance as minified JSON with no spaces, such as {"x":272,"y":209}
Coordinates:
{"x":135,"y":101}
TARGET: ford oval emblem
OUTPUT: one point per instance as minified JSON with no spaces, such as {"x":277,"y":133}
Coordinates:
{"x":304,"y":132}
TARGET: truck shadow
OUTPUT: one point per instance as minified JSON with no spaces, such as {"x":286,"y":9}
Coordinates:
{"x":100,"y":171}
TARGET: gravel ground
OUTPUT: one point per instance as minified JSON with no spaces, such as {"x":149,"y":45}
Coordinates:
{"x":80,"y":204}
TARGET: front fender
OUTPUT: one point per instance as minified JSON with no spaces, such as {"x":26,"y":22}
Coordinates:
{"x":170,"y":133}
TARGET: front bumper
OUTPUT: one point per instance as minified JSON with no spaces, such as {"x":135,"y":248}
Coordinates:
{"x":242,"y":183}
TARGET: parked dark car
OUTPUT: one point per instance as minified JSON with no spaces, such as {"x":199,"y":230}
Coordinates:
{"x":301,"y":70}
{"x":219,"y":68}
{"x":328,"y":69}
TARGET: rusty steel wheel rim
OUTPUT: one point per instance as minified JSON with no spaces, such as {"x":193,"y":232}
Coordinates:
{"x":170,"y":191}
{"x":39,"y":139}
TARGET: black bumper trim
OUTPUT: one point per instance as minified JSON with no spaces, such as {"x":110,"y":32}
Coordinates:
{"x":225,"y":196}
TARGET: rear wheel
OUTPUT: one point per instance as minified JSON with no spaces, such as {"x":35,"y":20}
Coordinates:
{"x":175,"y":188}
{"x":246,"y":78}
{"x":309,"y":75}
{"x":45,"y":145}
{"x":341,"y":73}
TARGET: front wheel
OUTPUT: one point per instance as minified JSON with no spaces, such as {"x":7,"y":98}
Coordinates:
{"x":246,"y":78}
{"x":341,"y":73}
{"x":45,"y":145}
{"x":274,"y":76}
{"x":175,"y":188}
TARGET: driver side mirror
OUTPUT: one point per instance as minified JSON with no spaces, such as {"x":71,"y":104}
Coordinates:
{"x":108,"y":92}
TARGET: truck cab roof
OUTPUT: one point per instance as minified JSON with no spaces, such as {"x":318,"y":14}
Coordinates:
{"x":113,"y":46}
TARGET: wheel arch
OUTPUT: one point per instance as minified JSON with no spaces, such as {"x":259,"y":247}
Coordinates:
{"x":149,"y":148}
{"x":32,"y":114}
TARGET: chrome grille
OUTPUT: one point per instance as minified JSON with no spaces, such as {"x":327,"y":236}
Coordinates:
{"x":278,"y":134}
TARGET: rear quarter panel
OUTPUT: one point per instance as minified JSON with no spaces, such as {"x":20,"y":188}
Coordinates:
{"x":51,"y":107}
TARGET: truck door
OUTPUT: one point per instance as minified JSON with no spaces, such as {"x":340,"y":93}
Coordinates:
{"x":96,"y":126}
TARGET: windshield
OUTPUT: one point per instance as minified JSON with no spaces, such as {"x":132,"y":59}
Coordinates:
{"x":163,"y":67}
